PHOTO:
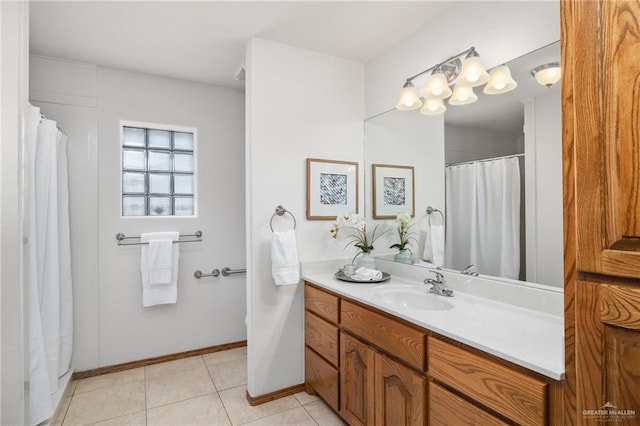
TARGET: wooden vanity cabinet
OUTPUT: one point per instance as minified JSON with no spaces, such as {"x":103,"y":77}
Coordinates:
{"x":377,"y":389}
{"x":321,"y":336}
{"x":381,"y":375}
{"x":512,"y":394}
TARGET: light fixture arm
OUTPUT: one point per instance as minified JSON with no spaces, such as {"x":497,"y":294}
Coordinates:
{"x":469,"y":50}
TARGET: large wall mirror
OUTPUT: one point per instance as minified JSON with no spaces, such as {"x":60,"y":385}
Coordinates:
{"x":493,"y":168}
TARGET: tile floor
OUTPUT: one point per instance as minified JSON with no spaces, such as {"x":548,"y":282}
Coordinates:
{"x":201,"y":390}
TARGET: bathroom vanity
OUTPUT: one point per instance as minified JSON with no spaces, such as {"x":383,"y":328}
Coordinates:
{"x":392,"y":353}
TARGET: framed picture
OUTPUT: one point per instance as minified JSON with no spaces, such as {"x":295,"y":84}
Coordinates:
{"x":393,"y":191}
{"x":332,"y":188}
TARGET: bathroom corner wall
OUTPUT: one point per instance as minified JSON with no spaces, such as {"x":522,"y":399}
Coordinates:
{"x":543,"y":163}
{"x":111,"y":325}
{"x":299,"y":104}
{"x":500,"y":31}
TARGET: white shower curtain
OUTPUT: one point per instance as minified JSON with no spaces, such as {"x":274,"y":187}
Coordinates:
{"x":49,"y":261}
{"x":483,"y":217}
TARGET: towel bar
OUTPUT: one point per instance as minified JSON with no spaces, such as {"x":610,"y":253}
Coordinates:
{"x":196,"y":237}
{"x":226,"y":271}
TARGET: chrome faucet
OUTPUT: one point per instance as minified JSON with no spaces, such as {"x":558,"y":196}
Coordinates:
{"x":438,"y":285}
{"x":467,"y":271}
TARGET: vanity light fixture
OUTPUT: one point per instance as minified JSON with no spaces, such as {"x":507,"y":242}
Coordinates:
{"x":547,"y":74}
{"x":437,"y":86}
{"x":500,"y":81}
{"x":462,"y":95}
{"x":409,"y":99}
{"x":465,"y":74}
{"x":472,"y":73}
{"x":433,"y":107}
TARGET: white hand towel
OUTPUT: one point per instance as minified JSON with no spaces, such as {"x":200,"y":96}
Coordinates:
{"x":155,"y":294}
{"x":284,"y":258}
{"x":160,"y":261}
{"x":367,"y":274}
{"x":436,"y":233}
{"x":425,"y":235}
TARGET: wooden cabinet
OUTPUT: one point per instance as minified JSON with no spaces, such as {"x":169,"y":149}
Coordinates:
{"x":376,"y":372}
{"x":601,"y":150}
{"x":447,"y":408}
{"x":400,"y":393}
{"x":517,"y":396}
{"x":608,"y":338}
{"x":357,"y":381}
{"x":378,"y":390}
{"x":321,"y":332}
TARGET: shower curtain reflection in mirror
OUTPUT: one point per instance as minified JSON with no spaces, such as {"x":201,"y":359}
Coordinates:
{"x":483,"y":217}
{"x":48,"y":261}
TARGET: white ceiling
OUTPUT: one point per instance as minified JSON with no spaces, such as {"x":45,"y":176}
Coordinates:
{"x":204,"y":41}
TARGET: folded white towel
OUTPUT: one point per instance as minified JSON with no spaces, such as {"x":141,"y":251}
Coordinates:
{"x":437,"y":244}
{"x":284,"y":258}
{"x":158,"y":294}
{"x":367,"y":274}
{"x":160,"y":261}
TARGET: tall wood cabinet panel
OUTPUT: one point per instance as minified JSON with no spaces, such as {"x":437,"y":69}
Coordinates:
{"x":601,"y":149}
{"x":601,"y":94}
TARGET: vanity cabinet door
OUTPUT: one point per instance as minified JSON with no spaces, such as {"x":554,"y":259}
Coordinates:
{"x":446,"y":408}
{"x":357,"y":369}
{"x":608,"y":339}
{"x":400,"y":396}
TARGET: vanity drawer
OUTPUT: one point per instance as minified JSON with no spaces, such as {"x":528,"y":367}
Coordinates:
{"x":321,"y":303}
{"x":515,"y":395}
{"x":321,"y":377}
{"x":322,"y":336}
{"x":394,"y":337}
{"x":446,"y":408}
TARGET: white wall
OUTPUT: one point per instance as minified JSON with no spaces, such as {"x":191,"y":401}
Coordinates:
{"x":499,"y":30}
{"x":209,"y":311}
{"x":467,"y":144}
{"x":543,"y":145}
{"x":111,"y":326}
{"x":300,"y":104}
{"x":14,"y":89}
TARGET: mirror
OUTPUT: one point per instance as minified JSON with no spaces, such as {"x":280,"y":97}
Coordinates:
{"x":520,"y":242}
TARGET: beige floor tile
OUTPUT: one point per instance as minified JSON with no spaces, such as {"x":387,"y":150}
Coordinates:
{"x":323,"y":415}
{"x":136,"y":419}
{"x":229,"y":374}
{"x":225,"y":356}
{"x":109,"y":380}
{"x":61,"y":411}
{"x":178,"y":386}
{"x":202,"y":410}
{"x":104,"y":404}
{"x":240,"y":411}
{"x":304,"y":398}
{"x":169,"y":367}
{"x":297,"y":416}
{"x":71,"y":388}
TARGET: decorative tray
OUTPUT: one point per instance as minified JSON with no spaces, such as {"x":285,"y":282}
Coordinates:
{"x":342,"y":277}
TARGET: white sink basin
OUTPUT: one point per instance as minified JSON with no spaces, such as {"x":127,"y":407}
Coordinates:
{"x":412,"y":297}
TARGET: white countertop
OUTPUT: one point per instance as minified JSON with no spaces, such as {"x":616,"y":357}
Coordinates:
{"x":530,"y":338}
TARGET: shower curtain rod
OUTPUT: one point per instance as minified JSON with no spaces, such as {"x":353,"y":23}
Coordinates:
{"x":484,"y":159}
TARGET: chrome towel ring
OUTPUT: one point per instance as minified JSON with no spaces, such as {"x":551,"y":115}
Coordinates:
{"x":431,"y":210}
{"x":280,"y":211}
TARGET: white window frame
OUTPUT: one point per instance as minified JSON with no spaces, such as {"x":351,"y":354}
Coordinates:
{"x":168,"y":127}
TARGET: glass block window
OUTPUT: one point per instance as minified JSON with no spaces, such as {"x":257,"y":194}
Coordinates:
{"x":158,"y":177}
